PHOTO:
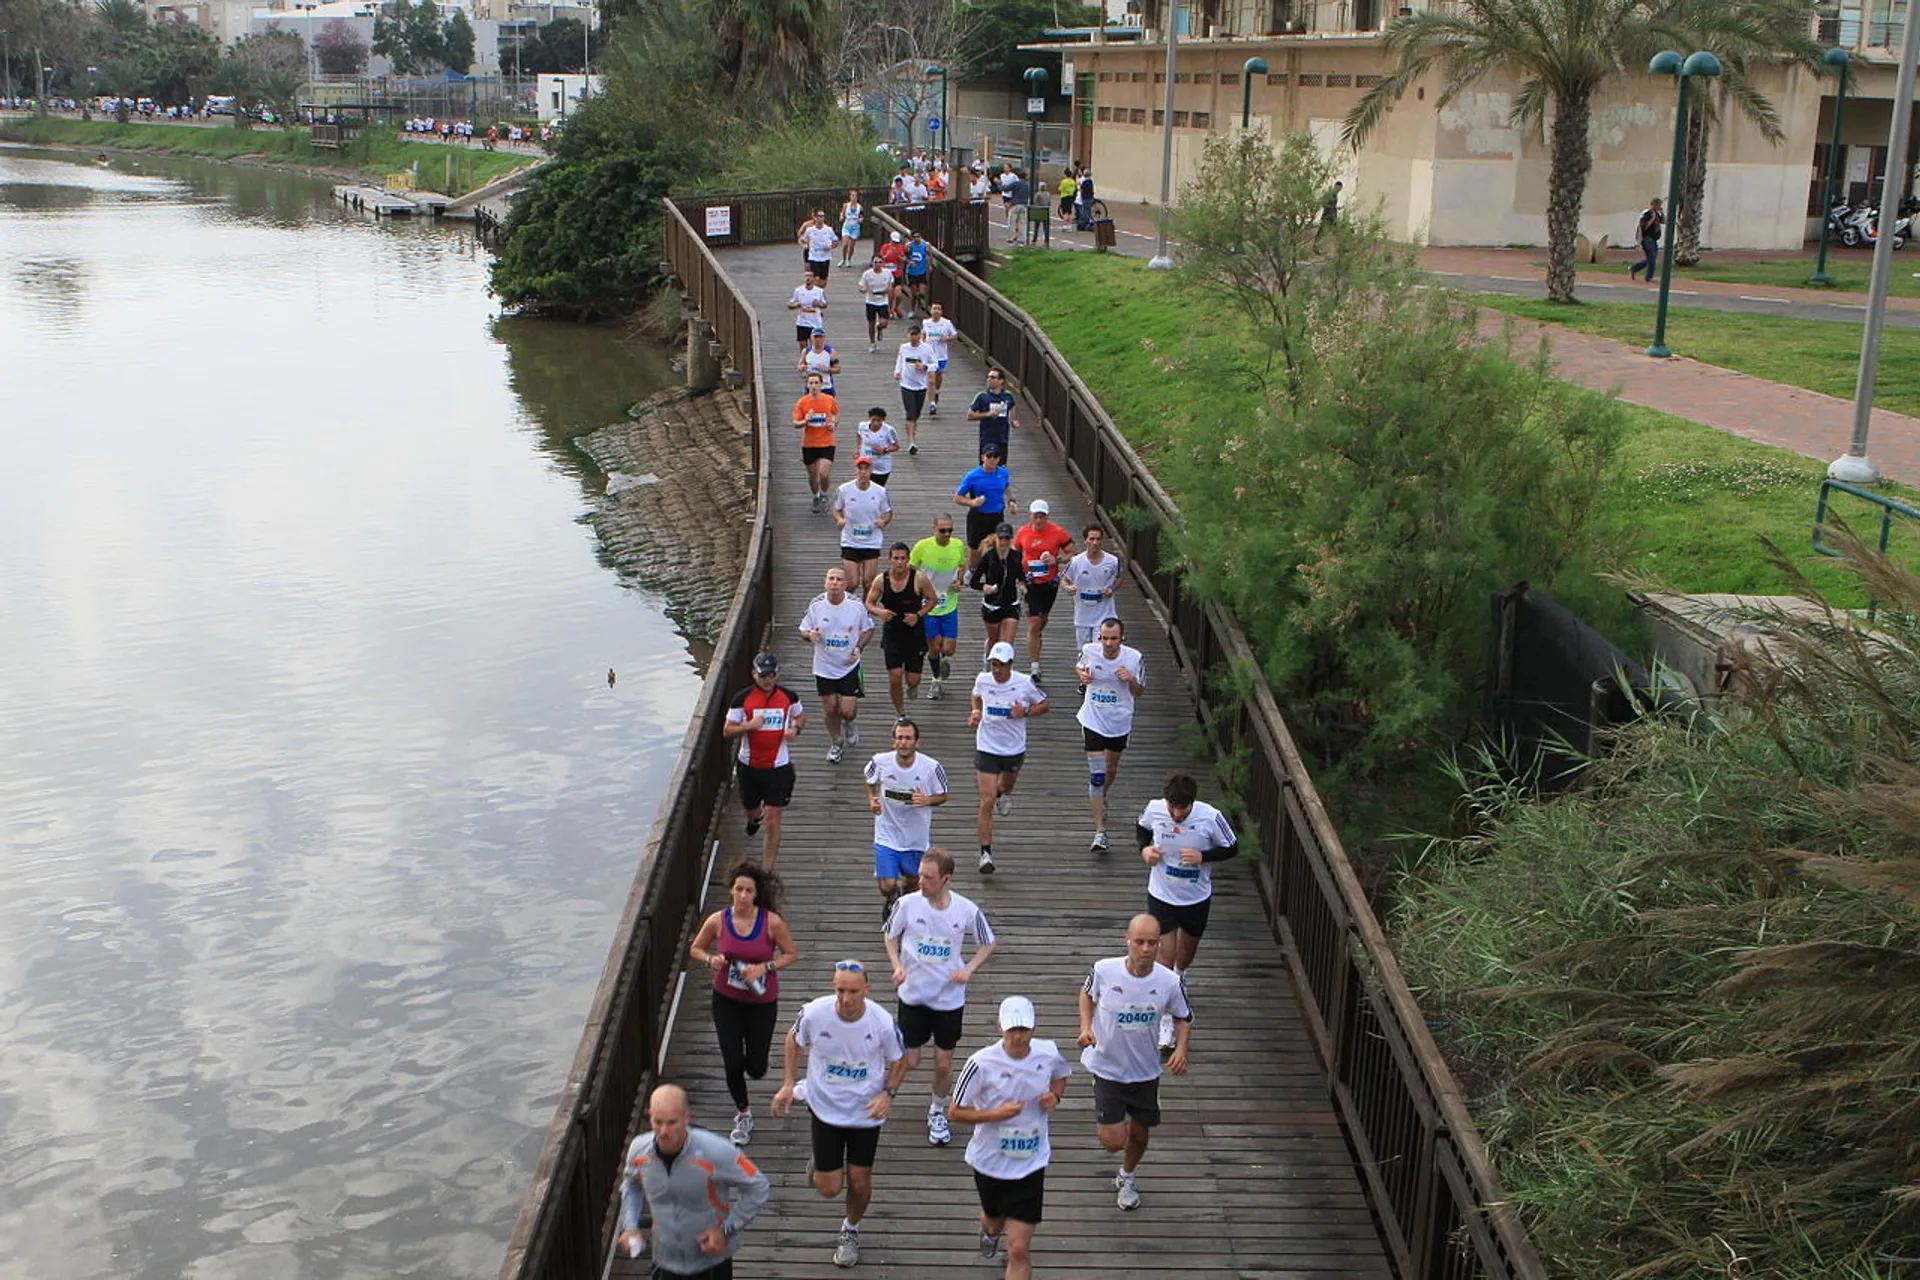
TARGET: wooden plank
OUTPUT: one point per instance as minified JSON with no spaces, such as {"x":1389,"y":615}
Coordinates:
{"x":1249,"y":1174}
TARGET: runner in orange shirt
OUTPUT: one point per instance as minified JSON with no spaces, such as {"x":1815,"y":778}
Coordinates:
{"x":1039,"y":545}
{"x":815,"y":415}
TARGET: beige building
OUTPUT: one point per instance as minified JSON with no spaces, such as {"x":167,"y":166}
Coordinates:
{"x":1461,"y":174}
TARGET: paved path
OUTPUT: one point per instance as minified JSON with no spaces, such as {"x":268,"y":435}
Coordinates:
{"x":1249,"y":1175}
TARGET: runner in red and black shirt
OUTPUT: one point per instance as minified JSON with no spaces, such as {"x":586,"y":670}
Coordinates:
{"x":765,"y":716}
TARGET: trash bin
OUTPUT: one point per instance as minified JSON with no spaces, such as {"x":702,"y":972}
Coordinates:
{"x":1103,"y":234}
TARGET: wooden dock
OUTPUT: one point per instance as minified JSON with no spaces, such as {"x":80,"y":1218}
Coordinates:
{"x":377,"y":201}
{"x":1249,"y":1175}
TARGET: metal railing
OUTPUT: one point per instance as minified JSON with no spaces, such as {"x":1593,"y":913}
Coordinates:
{"x":1889,"y":508}
{"x":566,"y":1223}
{"x":958,"y":228}
{"x":1436,"y":1198}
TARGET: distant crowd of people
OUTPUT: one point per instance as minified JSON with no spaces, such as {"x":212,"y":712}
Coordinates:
{"x":926,"y":176}
{"x":466,"y":131}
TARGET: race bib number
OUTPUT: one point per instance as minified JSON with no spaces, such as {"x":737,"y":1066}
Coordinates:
{"x":1091,"y":596}
{"x":1020,"y":1144}
{"x":817,"y":419}
{"x":1006,"y":712}
{"x":898,"y":794}
{"x":1175,"y":871}
{"x":862,"y":531}
{"x":1105,"y":697}
{"x":1136,"y":1016}
{"x":939,"y":949}
{"x":838,"y":642}
{"x":773,"y":718}
{"x":1036,"y":568}
{"x":852,"y":1072}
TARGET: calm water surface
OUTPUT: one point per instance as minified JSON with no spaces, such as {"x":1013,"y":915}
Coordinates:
{"x":316,"y":809}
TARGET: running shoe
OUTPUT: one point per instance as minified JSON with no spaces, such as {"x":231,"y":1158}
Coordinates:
{"x":834,"y":752}
{"x":853,"y":736}
{"x":913,"y":691}
{"x":933,"y":690}
{"x":939,"y":1132}
{"x":989,"y":1245}
{"x":912,"y":449}
{"x":1033,"y":671}
{"x":872,"y":347}
{"x":933,"y":410}
{"x":1127,"y":1184}
{"x":743,"y":1128}
{"x":986,"y":862}
{"x":1003,"y":805}
{"x":848,"y":1253}
{"x":1099,"y":844}
{"x":1166,"y":1031}
{"x":753,"y":825}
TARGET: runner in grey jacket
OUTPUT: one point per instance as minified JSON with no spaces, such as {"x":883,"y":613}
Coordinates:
{"x":686,"y":1176}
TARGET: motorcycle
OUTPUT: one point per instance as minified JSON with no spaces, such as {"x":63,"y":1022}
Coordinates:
{"x":1861,"y":225}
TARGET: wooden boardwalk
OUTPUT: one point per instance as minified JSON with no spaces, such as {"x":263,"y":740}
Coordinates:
{"x":1248,"y":1175}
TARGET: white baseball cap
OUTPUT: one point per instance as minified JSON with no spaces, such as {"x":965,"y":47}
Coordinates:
{"x":1016,"y":1012}
{"x":1039,"y":507}
{"x":1002,"y":652}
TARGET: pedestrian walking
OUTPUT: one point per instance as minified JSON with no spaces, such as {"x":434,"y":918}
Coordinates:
{"x":1069,"y":188}
{"x":838,"y":627}
{"x":1647,"y":231}
{"x":745,"y":944}
{"x":1083,"y":206}
{"x":1008,"y":1092}
{"x":1120,"y":1003}
{"x":1003,"y":702}
{"x":941,"y":557}
{"x":855,"y":1061}
{"x":926,"y":940}
{"x":1112,"y":675}
{"x":1040,"y":544}
{"x":701,"y":1189}
{"x":1179,"y":838}
{"x":766,"y":717}
{"x":904,"y":786}
{"x":1330,"y":210}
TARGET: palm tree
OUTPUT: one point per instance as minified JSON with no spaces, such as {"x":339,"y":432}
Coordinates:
{"x":772,"y":48}
{"x":1565,"y":52}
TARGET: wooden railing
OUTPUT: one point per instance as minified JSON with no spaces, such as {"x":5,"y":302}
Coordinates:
{"x":958,"y":228}
{"x":1438,"y":1202}
{"x":566,"y":1222}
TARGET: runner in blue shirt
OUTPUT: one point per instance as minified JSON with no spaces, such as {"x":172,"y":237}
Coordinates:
{"x":985,"y":492}
{"x":919,"y":262}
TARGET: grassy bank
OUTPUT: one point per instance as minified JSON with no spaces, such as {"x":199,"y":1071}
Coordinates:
{"x":375,"y":153}
{"x":1847,"y":267}
{"x":1690,"y":503}
{"x":1820,"y":355}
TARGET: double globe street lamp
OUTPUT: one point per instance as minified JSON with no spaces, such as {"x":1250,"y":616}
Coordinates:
{"x":1668,"y":63}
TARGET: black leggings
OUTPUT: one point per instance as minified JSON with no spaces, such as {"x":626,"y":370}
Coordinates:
{"x":746,"y":1038}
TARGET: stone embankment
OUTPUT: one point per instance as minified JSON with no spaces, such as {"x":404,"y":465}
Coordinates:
{"x":679,"y":502}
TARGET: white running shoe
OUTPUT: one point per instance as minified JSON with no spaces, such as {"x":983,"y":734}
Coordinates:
{"x":986,"y":862}
{"x":872,"y":347}
{"x":853,"y":736}
{"x":989,"y":1245}
{"x":849,"y":1251}
{"x":933,"y":690}
{"x":1099,"y":843}
{"x":1033,"y":671}
{"x":1003,"y":805}
{"x":743,"y":1128}
{"x":1166,"y":1031}
{"x":834,"y":753}
{"x":933,"y":410}
{"x":939,"y":1132}
{"x":1129,"y":1197}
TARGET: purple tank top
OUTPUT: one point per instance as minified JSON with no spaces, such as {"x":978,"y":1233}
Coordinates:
{"x":754,"y":947}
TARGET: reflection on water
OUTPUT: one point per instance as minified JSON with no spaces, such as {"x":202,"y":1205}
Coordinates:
{"x":316,"y":810}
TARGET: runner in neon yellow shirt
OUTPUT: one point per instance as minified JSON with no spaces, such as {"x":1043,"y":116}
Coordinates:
{"x":941,"y":557}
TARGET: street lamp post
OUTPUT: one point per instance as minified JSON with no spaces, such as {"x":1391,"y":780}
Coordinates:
{"x":1853,"y":466}
{"x":1833,"y":58}
{"x":1036,"y":78}
{"x":1254,"y":67}
{"x":1669,"y":63}
{"x":1162,"y":260}
{"x":933,"y":143}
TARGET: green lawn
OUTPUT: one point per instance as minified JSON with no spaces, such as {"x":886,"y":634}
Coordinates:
{"x":1690,"y":503}
{"x":1848,"y":267}
{"x":376,"y":153}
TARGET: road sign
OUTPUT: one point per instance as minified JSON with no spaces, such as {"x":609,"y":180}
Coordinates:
{"x":933,"y":124}
{"x":1036,"y":106}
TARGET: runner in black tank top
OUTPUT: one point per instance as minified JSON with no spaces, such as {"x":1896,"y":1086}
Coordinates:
{"x":903,"y":646}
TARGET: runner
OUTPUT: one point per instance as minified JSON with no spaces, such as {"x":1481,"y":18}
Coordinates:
{"x":766,"y":716}
{"x":816,"y":415}
{"x":877,"y":285}
{"x":746,"y":944}
{"x":997,"y":579}
{"x":1112,"y":676}
{"x":852,"y":215}
{"x":818,"y":356}
{"x":1179,"y":837}
{"x":1008,"y":1091}
{"x":879,"y":441}
{"x":911,"y":369}
{"x":863,"y":511}
{"x":1008,"y":177}
{"x":900,"y":598}
{"x":1120,"y":1001}
{"x":1003,"y":702}
{"x":700,"y":1205}
{"x":1040,"y":544}
{"x":855,"y":1062}
{"x":938,"y":331}
{"x":919,"y":263}
{"x":1092,"y":577}
{"x":817,"y":241}
{"x":985,"y":492}
{"x":993,"y":409}
{"x":934,"y":923}
{"x":894,"y":254}
{"x":808,"y":302}
{"x":838,"y":627}
{"x":903,"y":788}
{"x":941,"y":557}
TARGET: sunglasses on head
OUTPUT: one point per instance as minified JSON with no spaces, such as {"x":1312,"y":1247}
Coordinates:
{"x":848,"y":966}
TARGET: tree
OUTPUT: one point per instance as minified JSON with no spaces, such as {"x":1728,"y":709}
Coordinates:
{"x":772,"y":52}
{"x":882,"y":49}
{"x":340,"y":50}
{"x":269,"y":67}
{"x":456,"y":43}
{"x":997,"y":28}
{"x":412,"y":37}
{"x":1565,"y":52}
{"x":560,"y":47}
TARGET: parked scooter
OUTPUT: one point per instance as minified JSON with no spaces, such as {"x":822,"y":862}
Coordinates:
{"x":1862,"y":226}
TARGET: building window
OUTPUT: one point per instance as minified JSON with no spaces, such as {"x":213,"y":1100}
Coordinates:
{"x":1179,"y":119}
{"x":1339,"y":81}
{"x":1159,"y":77}
{"x":1159,"y":117}
{"x":1278,"y":77}
{"x":1201,"y":120}
{"x":1103,"y":114}
{"x":1139,"y":77}
{"x":1181,"y":77}
{"x":1138,"y":115}
{"x":1203,"y":77}
{"x":1229,"y":78}
{"x":1310,"y":79}
{"x":1105,"y":76}
{"x":1366,"y":82}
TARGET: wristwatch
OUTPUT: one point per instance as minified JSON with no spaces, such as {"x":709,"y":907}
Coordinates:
{"x":893,"y":1093}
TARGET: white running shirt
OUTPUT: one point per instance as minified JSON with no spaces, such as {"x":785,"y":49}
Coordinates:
{"x":846,"y":1061}
{"x":1010,"y":1149}
{"x":819,"y":242}
{"x":1205,"y":828}
{"x":863,"y":509}
{"x":913,"y":377}
{"x":1126,"y":1019}
{"x":1093,"y":586}
{"x":820,"y":362}
{"x":930,"y":947}
{"x":1108,"y":707}
{"x":809,"y":302}
{"x":873,"y":439}
{"x":876,"y":286}
{"x":899,"y":825}
{"x":937,"y":334}
{"x":999,"y":733}
{"x":840,"y":627}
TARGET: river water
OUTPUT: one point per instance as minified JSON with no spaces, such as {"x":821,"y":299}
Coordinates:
{"x":317,"y":809}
